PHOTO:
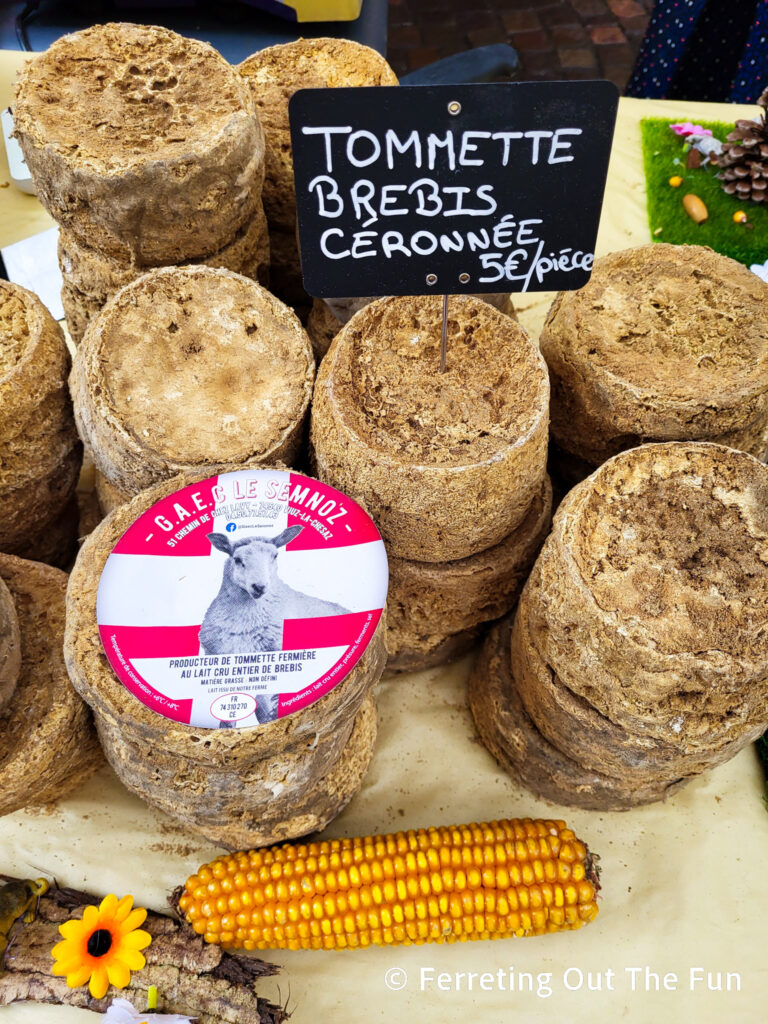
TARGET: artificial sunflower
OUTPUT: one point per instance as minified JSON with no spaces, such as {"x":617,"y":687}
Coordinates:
{"x":104,"y":947}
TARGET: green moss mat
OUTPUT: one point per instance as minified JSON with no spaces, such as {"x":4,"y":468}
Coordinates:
{"x":664,"y":157}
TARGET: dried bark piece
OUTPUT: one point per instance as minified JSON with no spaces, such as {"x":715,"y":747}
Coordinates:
{"x":429,"y":603}
{"x":192,"y":977}
{"x":191,"y":368}
{"x":664,"y":343}
{"x":142,"y":143}
{"x":48,"y":745}
{"x":511,"y":736}
{"x":448,"y":464}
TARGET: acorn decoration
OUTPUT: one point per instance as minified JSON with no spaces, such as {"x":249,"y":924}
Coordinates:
{"x":695,"y":208}
{"x":744,"y":158}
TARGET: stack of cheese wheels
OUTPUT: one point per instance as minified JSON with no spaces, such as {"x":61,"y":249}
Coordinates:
{"x":328,"y":316}
{"x":237,"y":787}
{"x":48,"y":744}
{"x":274,"y":74}
{"x":665,"y":343}
{"x":146,"y":148}
{"x":637,"y":657}
{"x":189,"y":368}
{"x":450,"y":466}
{"x":40,"y":453}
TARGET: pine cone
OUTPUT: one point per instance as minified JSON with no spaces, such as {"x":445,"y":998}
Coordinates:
{"x":744,"y":158}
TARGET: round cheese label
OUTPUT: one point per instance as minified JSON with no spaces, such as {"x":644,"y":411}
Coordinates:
{"x":242,"y":598}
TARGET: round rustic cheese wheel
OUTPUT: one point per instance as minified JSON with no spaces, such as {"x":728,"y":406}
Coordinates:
{"x":48,"y":745}
{"x":511,"y":736}
{"x":191,"y":367}
{"x":277,"y":800}
{"x":41,"y":447}
{"x":344,"y":309}
{"x":40,"y":520}
{"x":322,"y":328}
{"x":654,"y":585}
{"x":79,"y":309}
{"x":10,"y":646}
{"x":56,"y":541}
{"x":34,"y":360}
{"x":439,"y":652}
{"x":239,"y":749}
{"x":328,"y":316}
{"x":109,"y":496}
{"x":143,"y":144}
{"x":40,"y":452}
{"x":182,"y":785}
{"x":580,"y":732}
{"x":274,"y":74}
{"x":90,"y":278}
{"x":665,"y":342}
{"x":447,"y":464}
{"x":285,"y":276}
{"x":430,"y":602}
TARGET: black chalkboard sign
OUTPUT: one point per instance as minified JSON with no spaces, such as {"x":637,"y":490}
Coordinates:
{"x":468,"y":188}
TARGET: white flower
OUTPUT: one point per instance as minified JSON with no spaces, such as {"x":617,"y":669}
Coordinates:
{"x":121,"y":1012}
{"x":761,"y":269}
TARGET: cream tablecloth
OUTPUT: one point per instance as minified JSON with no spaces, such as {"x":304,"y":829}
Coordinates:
{"x":684,"y":883}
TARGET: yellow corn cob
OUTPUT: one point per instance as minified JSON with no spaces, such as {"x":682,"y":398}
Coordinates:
{"x":486,"y":881}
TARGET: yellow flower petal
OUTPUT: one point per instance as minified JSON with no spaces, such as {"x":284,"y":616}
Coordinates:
{"x":135,"y":918}
{"x":108,"y":906}
{"x":123,"y":908}
{"x":136,"y":940}
{"x":78,"y":978}
{"x":67,"y":966}
{"x":118,"y":974}
{"x":74,"y":929}
{"x":90,"y":919}
{"x":99,"y":982}
{"x":133,"y":959}
{"x":61,"y":948}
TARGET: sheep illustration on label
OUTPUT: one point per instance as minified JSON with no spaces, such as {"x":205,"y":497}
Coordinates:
{"x":242,"y":598}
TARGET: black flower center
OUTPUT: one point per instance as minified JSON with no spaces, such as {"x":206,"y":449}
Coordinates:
{"x":100,"y":942}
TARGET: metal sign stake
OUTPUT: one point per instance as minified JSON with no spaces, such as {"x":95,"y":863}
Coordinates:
{"x":444,"y":335}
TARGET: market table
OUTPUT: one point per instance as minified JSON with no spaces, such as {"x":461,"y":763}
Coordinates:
{"x":683,"y":882}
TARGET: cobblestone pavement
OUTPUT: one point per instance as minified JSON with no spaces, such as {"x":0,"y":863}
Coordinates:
{"x":555,"y":39}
